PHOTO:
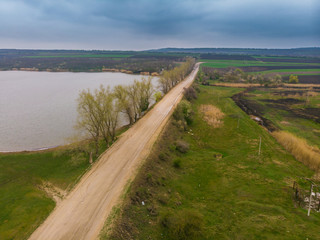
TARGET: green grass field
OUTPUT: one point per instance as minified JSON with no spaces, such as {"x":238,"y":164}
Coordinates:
{"x":221,"y":186}
{"x":283,"y":118}
{"x":277,"y":57}
{"x":23,"y":203}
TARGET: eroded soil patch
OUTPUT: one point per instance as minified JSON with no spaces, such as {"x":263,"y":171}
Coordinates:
{"x":253,"y":108}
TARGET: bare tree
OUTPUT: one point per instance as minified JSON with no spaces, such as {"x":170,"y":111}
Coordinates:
{"x":133,"y":95}
{"x":109,"y":111}
{"x":169,"y":79}
{"x":122,"y":96}
{"x":145,"y":93}
{"x":89,"y":116}
{"x":164,"y":82}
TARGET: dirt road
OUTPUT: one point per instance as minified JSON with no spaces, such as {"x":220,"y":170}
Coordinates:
{"x":82,"y":214}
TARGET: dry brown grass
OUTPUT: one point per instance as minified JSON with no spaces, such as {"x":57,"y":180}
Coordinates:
{"x":299,"y":85}
{"x":286,"y":85}
{"x":313,"y":94}
{"x":212,"y":115}
{"x":299,"y":148}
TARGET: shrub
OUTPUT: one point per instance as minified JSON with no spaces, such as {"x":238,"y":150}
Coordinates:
{"x":184,"y":112}
{"x":190,"y":93}
{"x":177,"y":163}
{"x":293,"y":79}
{"x":182,"y":146}
{"x":196,"y":87}
{"x":183,"y":225}
{"x":163,"y":157}
{"x":158,"y":96}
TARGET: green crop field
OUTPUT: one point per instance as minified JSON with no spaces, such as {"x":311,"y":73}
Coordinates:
{"x":246,"y":63}
{"x":220,"y":188}
{"x":278,"y":57}
{"x":290,"y":70}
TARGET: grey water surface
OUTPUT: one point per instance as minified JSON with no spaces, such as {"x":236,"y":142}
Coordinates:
{"x":39,"y":109}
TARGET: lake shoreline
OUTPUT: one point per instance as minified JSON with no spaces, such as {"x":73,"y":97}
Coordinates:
{"x":111,"y":70}
{"x":42,"y":149}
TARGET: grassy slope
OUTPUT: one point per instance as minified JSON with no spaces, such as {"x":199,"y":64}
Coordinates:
{"x":241,"y":196}
{"x":23,"y":205}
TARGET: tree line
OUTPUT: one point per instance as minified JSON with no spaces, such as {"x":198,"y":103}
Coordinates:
{"x":98,"y":110}
{"x":169,"y":79}
{"x":236,"y":75}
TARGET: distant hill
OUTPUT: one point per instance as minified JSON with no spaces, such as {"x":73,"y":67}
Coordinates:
{"x":301,"y":52}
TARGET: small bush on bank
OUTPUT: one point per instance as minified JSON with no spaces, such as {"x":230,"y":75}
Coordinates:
{"x":177,"y":163}
{"x":190,"y":93}
{"x":163,"y":157}
{"x":182,"y":146}
{"x":184,"y":112}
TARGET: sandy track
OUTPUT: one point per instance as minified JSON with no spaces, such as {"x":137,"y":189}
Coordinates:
{"x":82,"y":214}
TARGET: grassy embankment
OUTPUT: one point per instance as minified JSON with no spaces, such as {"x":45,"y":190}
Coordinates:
{"x":23,"y":202}
{"x":220,"y":188}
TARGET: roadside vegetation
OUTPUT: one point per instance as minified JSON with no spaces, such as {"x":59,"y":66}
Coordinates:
{"x":169,"y":79}
{"x":98,"y":112}
{"x":205,"y":181}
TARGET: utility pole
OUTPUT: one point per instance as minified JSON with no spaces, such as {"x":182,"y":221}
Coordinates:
{"x":310,"y":199}
{"x":260,"y":146}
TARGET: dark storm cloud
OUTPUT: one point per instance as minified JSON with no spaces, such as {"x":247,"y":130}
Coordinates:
{"x":141,"y":24}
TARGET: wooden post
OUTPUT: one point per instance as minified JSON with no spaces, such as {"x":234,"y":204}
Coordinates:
{"x":310,"y":199}
{"x":90,"y":159}
{"x":260,"y":147}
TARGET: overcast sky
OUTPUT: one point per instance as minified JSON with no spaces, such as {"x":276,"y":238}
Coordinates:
{"x":148,"y":24}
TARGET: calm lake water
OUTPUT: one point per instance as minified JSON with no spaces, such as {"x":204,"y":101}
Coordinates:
{"x":39,"y":109}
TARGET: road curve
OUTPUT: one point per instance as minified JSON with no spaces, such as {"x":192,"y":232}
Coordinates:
{"x":83,"y":213}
